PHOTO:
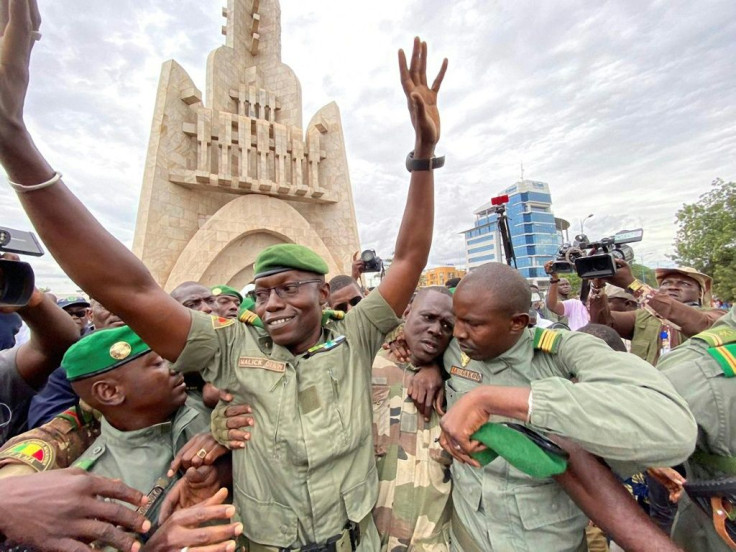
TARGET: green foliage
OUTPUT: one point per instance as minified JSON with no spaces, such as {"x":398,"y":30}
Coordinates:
{"x":706,"y":238}
{"x":644,"y":274}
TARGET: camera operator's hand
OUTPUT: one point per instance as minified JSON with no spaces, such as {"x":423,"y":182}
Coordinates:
{"x":548,"y":268}
{"x":358,"y":266}
{"x":623,"y":276}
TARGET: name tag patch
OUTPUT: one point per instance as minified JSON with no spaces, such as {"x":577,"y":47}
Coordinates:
{"x":263,"y":363}
{"x":466,"y":374}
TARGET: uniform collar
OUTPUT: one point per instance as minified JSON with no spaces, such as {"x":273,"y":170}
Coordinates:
{"x":137,"y":437}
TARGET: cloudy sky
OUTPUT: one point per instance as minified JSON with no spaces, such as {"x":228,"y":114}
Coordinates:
{"x":625,"y":108}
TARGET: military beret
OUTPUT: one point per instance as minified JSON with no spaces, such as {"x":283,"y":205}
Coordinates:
{"x":288,"y":256}
{"x":519,"y":450}
{"x":226,"y":290}
{"x":102,"y":351}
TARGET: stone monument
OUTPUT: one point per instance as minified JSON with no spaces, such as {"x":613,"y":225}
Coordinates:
{"x":231,"y":175}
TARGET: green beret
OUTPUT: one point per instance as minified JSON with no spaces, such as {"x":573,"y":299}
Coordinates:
{"x":226,"y":290}
{"x":288,"y":256}
{"x":102,"y":351}
{"x":519,"y":450}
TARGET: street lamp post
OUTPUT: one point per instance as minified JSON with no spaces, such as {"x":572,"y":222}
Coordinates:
{"x":582,"y":222}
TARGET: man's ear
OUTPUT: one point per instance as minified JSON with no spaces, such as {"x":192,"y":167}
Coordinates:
{"x":108,"y":392}
{"x":519,"y":322}
{"x":324,"y":294}
{"x":407,"y":310}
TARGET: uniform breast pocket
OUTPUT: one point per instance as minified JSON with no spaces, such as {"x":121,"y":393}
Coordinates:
{"x":550,"y":519}
{"x":381,"y":419}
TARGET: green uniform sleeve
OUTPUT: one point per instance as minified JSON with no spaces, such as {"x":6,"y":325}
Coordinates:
{"x":709,"y":394}
{"x":209,"y":348}
{"x":367,"y":324}
{"x":618,"y":406}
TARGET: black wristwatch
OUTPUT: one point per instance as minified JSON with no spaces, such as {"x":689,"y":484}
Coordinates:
{"x":423,"y":164}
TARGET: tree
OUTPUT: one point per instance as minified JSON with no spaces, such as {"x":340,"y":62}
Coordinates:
{"x":706,"y":238}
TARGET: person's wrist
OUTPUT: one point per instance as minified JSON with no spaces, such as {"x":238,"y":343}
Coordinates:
{"x":423,"y":150}
{"x":554,"y":279}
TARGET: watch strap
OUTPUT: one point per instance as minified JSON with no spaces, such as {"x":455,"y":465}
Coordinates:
{"x":423,"y":164}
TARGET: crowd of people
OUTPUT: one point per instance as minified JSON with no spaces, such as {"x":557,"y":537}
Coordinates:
{"x":315,"y":415}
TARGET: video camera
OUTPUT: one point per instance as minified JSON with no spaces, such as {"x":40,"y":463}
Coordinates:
{"x":600,"y":262}
{"x":16,"y":278}
{"x":371,"y":261}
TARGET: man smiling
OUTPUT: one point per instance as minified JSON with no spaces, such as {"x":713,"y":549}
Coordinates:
{"x":308,"y":477}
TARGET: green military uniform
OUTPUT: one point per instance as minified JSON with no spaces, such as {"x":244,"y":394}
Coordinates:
{"x":309,"y":466}
{"x":413,"y":509}
{"x":618,"y":407}
{"x":140,"y":457}
{"x":699,"y":370}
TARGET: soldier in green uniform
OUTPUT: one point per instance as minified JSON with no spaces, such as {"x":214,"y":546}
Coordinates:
{"x":227,"y":300}
{"x":612,"y":404}
{"x":702,"y":370}
{"x":146,"y":415}
{"x":308,"y":477}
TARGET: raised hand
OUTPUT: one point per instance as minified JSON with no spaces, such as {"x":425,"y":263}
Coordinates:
{"x":422,"y":100}
{"x":19,"y":24}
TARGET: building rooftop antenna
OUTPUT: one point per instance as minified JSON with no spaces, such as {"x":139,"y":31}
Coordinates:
{"x":522,"y":170}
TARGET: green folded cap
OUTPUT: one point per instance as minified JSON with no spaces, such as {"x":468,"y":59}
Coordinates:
{"x":226,"y":290}
{"x":288,"y":256}
{"x":518,"y":449}
{"x":102,"y":351}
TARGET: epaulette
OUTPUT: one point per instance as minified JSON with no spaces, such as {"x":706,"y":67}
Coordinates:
{"x":725,"y":356}
{"x":547,"y":340}
{"x":328,"y":314}
{"x":90,"y":457}
{"x":720,"y":335}
{"x":251,"y":319}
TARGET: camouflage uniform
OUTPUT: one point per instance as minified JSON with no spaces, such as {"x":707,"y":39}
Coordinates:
{"x":413,"y":509}
{"x":54,"y":445}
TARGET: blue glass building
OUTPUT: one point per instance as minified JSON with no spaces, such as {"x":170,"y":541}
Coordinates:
{"x":534,"y":234}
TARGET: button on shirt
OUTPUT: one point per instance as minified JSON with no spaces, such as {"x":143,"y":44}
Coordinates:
{"x":309,"y":465}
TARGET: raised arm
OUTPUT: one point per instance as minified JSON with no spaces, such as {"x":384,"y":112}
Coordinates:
{"x":415,"y":234}
{"x":105,"y":268}
{"x":52,"y":332}
{"x":550,"y":298}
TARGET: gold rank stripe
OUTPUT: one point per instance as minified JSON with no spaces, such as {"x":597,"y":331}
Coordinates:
{"x":547,"y":340}
{"x":715,"y":337}
{"x":725,"y":356}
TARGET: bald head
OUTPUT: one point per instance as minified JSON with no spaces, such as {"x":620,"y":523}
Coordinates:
{"x":510,"y":291}
{"x":194,"y":296}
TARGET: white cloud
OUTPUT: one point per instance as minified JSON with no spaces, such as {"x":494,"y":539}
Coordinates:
{"x":624,"y":108}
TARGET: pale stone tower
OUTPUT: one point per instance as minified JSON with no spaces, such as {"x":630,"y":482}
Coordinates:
{"x":228,"y":177}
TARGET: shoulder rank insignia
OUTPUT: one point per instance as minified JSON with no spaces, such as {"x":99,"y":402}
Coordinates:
{"x":464,"y":359}
{"x":324,"y":347}
{"x":328,"y":314}
{"x":717,"y":336}
{"x":32,"y":452}
{"x":220,"y":322}
{"x":725,"y":356}
{"x":547,"y":340}
{"x":250,"y":318}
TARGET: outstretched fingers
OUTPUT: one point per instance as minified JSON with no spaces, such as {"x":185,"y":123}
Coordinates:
{"x":440,"y":76}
